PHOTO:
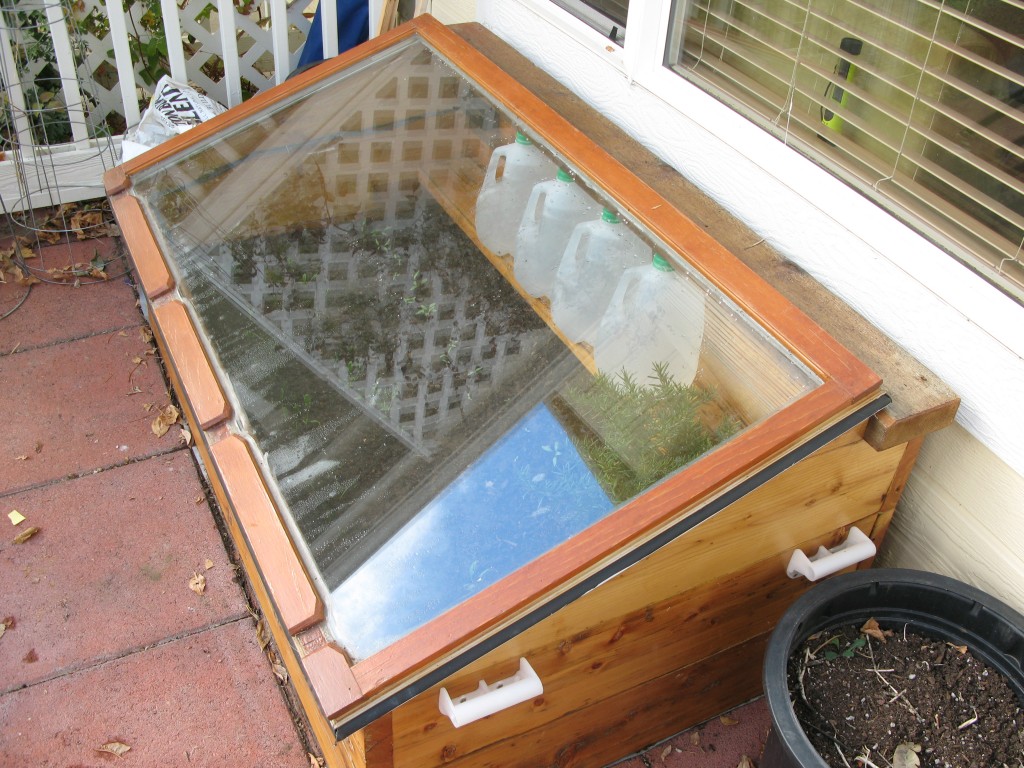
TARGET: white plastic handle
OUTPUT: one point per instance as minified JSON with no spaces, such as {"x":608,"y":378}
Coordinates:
{"x":488,"y":699}
{"x":856,"y":548}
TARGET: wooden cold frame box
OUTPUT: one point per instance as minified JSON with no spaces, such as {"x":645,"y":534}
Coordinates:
{"x":427,"y":480}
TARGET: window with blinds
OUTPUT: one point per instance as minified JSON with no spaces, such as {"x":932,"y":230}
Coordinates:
{"x":919,"y":104}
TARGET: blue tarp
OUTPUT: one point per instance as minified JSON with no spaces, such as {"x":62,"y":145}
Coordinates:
{"x":353,"y":29}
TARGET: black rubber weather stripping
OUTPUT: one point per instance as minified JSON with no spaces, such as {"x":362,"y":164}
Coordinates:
{"x":624,"y":561}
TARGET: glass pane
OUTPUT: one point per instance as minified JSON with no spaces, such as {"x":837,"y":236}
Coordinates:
{"x":917,"y":105}
{"x":430,"y":423}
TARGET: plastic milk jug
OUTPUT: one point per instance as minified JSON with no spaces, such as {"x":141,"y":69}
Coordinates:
{"x":554,"y":209}
{"x":597,"y":254}
{"x":655,"y":317}
{"x":512,"y":173}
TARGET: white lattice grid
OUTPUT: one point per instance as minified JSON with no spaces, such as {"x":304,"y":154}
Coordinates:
{"x":255,"y":55}
{"x":418,"y":121}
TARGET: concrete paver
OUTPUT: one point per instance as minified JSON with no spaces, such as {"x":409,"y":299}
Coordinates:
{"x":44,"y":317}
{"x":74,"y":407}
{"x":718,"y":743}
{"x":108,"y":643}
{"x":202,"y":700}
{"x":108,"y":572}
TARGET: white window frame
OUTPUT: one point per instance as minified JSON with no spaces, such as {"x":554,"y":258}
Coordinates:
{"x":954,"y":321}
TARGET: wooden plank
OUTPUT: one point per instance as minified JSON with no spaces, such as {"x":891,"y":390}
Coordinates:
{"x":330,"y":677}
{"x":633,"y":719}
{"x":590,"y":663}
{"x":895,"y":492}
{"x":921,"y":401}
{"x":293,"y":593}
{"x":388,"y":16}
{"x":186,"y":354}
{"x":153,"y":273}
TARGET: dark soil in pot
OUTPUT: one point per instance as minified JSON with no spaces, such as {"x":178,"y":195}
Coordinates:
{"x":888,"y":695}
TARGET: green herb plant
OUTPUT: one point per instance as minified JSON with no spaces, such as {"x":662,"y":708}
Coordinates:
{"x":633,"y":434}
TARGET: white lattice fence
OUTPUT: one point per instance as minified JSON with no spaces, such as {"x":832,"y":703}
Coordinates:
{"x":99,"y":50}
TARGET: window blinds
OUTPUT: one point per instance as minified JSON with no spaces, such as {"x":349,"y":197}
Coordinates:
{"x":920,"y":104}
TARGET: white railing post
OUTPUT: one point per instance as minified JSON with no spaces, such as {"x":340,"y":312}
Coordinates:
{"x":58,"y":19}
{"x":123,"y":59}
{"x":229,"y":52}
{"x":279,"y":39}
{"x":329,"y":17}
{"x":13,"y":85}
{"x":172,"y":34}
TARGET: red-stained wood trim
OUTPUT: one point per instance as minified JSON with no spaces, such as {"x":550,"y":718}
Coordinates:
{"x":297,"y":601}
{"x":153,"y":273}
{"x":628,"y":526}
{"x":116,"y":180}
{"x":189,"y":359}
{"x":804,"y":338}
{"x":331,"y":679}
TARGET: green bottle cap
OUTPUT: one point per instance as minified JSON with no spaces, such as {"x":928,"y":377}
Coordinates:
{"x":609,"y":215}
{"x":522,"y":138}
{"x":659,"y":263}
{"x":563,"y":175}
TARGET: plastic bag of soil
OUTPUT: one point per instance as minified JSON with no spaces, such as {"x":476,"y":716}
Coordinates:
{"x":173,"y":109}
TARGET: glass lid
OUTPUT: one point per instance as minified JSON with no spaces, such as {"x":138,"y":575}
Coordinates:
{"x":453,"y":351}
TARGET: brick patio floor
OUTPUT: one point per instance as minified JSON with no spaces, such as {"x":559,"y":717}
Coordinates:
{"x":106,"y":642}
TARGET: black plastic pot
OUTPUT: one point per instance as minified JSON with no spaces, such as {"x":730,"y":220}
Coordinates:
{"x":934,"y":605}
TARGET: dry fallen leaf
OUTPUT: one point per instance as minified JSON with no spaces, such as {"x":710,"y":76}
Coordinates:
{"x":23,"y":278}
{"x":114,"y":747}
{"x":727,"y":720}
{"x":84,"y":221}
{"x":197,"y":583}
{"x":666,"y":752}
{"x":6,"y":624}
{"x":200,"y":499}
{"x":280,"y":672}
{"x":872,"y":629}
{"x":905,"y":756}
{"x":262,"y":637}
{"x":168,"y":415}
{"x":314,"y":761}
{"x":962,"y":649}
{"x":27,"y":534}
{"x":31,"y":657}
{"x":23,"y":457}
{"x":695,"y":738}
{"x":745,"y":762}
{"x":208,"y":564}
{"x":16,"y":517}
{"x":146,"y":334}
{"x":185,"y":437}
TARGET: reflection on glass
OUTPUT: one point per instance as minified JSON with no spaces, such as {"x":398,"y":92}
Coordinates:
{"x":427,"y":425}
